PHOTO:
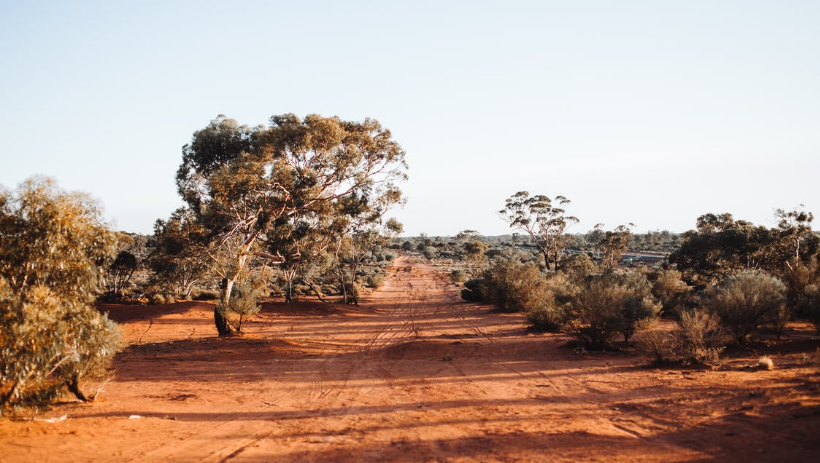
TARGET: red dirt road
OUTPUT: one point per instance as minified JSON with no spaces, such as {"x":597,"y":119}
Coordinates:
{"x":413,"y":375}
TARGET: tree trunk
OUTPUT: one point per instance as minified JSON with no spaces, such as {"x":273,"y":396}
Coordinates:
{"x":74,"y":387}
{"x":315,"y":289}
{"x":220,"y":319}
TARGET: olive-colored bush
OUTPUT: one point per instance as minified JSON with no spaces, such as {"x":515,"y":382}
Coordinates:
{"x":608,"y":304}
{"x":52,"y":338}
{"x":745,"y":301}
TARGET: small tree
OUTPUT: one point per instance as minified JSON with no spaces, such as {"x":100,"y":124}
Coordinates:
{"x":543,"y":219}
{"x":614,"y":243}
{"x":745,"y":301}
{"x":52,"y":247}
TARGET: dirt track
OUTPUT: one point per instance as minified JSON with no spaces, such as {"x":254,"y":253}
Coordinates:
{"x":413,"y":375}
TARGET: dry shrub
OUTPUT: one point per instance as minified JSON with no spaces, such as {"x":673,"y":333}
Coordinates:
{"x":375,"y":280}
{"x":700,"y":336}
{"x":157,"y":299}
{"x":515,"y":286}
{"x":660,"y":346}
{"x":765,"y":363}
{"x":459,"y":276}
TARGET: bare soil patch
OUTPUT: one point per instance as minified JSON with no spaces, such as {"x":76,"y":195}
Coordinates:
{"x":414,"y":375}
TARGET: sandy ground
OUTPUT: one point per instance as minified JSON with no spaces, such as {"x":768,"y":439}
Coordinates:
{"x":416,"y":375}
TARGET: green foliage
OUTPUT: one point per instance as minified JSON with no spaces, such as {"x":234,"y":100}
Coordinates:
{"x":607,"y":304}
{"x":52,"y":247}
{"x":745,"y":301}
{"x":613,"y":244}
{"x":722,"y":246}
{"x":179,"y":259}
{"x":578,"y":267}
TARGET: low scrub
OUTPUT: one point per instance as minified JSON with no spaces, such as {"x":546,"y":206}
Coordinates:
{"x":746,"y":301}
{"x":609,"y":304}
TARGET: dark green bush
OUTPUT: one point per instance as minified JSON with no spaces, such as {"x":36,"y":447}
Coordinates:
{"x":473,"y":290}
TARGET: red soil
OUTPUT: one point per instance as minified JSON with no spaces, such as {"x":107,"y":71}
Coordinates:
{"x":416,"y":375}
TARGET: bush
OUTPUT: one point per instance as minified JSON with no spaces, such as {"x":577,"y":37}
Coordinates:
{"x":473,"y":290}
{"x":745,"y":301}
{"x":810,"y":305}
{"x":545,"y":318}
{"x":51,"y":336}
{"x":515,"y":287}
{"x":660,"y":346}
{"x":375,"y":280}
{"x":244,"y":301}
{"x":157,"y":299}
{"x":458,"y":276}
{"x":669,"y":289}
{"x":611,"y":303}
{"x":700,"y":336}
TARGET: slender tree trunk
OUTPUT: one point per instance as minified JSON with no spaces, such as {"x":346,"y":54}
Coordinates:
{"x":315,"y":289}
{"x":220,"y":319}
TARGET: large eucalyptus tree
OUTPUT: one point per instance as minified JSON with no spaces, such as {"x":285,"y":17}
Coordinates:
{"x":246,"y":184}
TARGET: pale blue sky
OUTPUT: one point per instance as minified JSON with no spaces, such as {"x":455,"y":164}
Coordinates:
{"x":649,"y":112}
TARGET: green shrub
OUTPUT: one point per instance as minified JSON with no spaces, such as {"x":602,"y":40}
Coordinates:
{"x":745,"y":301}
{"x":669,"y":288}
{"x":244,"y":301}
{"x":607,"y":304}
